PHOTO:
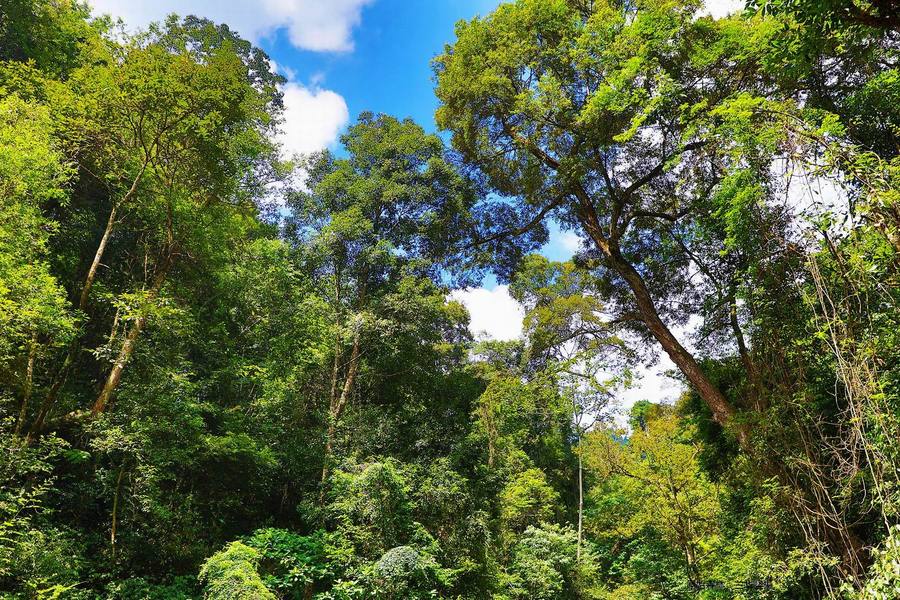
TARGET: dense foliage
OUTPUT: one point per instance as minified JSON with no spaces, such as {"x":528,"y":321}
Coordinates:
{"x":224,"y":374}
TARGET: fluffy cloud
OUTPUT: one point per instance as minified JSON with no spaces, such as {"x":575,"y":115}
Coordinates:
{"x":722,"y":8}
{"x":313,"y":118}
{"x":493,"y":312}
{"x":570,"y":241}
{"x":319,"y":25}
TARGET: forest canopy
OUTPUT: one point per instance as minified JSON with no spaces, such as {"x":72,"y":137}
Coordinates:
{"x":229,"y":372}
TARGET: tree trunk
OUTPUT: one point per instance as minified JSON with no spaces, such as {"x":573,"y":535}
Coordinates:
{"x":98,"y":256}
{"x":722,"y":410}
{"x":128,"y":346}
{"x":755,"y":388}
{"x":69,"y":361}
{"x":336,"y":409}
{"x":580,"y":501}
{"x":115,"y":514}
{"x":104,"y":239}
{"x":338,"y":351}
{"x":63,"y":373}
{"x":52,"y":394}
{"x":115,"y":374}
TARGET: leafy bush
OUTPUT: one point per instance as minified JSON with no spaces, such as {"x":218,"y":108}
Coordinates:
{"x":292,"y":564}
{"x":372,"y":508}
{"x":545,"y":565}
{"x":37,"y":559}
{"x":884,"y":574}
{"x":405,"y":572}
{"x":231,"y":575}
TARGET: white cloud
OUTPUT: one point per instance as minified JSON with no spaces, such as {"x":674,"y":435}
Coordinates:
{"x":313,"y":118}
{"x":323,"y":25}
{"x":493,"y":312}
{"x":652,"y":383}
{"x":496,"y":315}
{"x":319,"y":25}
{"x":723,"y":8}
{"x":571,"y":241}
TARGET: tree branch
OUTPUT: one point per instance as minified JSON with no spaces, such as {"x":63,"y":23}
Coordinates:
{"x":522,"y":229}
{"x":658,"y":169}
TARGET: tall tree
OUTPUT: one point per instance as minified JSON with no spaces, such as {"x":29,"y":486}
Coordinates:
{"x":591,"y":114}
{"x":374,"y":220}
{"x":35,"y":315}
{"x":171,"y":125}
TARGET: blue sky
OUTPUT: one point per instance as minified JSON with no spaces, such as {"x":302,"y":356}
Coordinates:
{"x":389,"y":68}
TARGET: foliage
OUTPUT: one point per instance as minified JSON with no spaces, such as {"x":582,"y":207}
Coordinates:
{"x":884,"y":576}
{"x":36,"y":557}
{"x":231,"y":574}
{"x":227,"y":375}
{"x":527,"y":500}
{"x":544,"y":565}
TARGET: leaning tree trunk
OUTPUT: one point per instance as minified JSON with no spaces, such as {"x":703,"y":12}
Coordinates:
{"x":69,"y":361}
{"x":98,"y":256}
{"x":89,"y":279}
{"x":721,"y":408}
{"x":128,"y":346}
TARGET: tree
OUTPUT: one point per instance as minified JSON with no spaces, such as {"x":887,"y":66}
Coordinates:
{"x":231,"y":574}
{"x":375,"y":221}
{"x":665,"y":489}
{"x":831,"y":15}
{"x":52,"y":34}
{"x":546,"y":565}
{"x":572,"y":344}
{"x":592,"y":115}
{"x":35,"y":316}
{"x":170,"y":126}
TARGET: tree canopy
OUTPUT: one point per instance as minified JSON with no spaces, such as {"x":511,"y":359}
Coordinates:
{"x":229,"y":374}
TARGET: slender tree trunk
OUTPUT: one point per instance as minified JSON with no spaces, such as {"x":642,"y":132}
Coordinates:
{"x":580,"y":501}
{"x":335,"y":369}
{"x":69,"y":361}
{"x":29,"y":382}
{"x":336,"y":410}
{"x":63,"y":373}
{"x":107,"y":233}
{"x":128,"y":346}
{"x":336,"y":366}
{"x":98,"y":256}
{"x":746,"y":359}
{"x":50,"y":398}
{"x":115,"y":374}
